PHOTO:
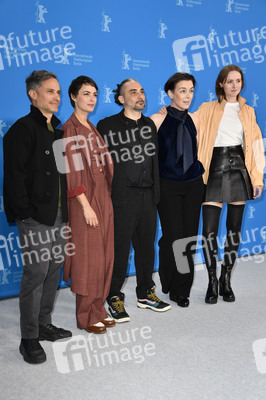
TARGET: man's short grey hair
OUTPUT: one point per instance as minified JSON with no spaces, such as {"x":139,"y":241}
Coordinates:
{"x":35,"y":79}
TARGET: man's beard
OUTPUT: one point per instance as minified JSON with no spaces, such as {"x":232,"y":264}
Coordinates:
{"x":139,"y":106}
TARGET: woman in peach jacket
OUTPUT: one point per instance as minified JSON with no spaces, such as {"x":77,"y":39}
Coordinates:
{"x":231,"y":151}
{"x":89,"y":178}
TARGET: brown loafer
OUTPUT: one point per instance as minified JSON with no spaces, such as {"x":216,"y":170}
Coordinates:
{"x":108,"y":322}
{"x":96,"y":329}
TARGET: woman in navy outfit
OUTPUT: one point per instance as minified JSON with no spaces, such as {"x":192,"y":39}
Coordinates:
{"x":181,"y":187}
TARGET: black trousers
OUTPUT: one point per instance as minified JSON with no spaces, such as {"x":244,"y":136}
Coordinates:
{"x":43,"y":254}
{"x":179,"y":212}
{"x":134,"y":223}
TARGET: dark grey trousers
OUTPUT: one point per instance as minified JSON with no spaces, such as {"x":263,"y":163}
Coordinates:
{"x":43,"y":253}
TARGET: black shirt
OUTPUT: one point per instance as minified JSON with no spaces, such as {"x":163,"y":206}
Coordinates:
{"x":131,"y":143}
{"x":134,"y":149}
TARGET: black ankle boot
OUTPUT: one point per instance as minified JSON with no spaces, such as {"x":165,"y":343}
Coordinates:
{"x":225,"y":289}
{"x":212,"y":291}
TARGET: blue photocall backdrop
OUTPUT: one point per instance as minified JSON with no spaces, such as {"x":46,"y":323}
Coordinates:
{"x":148,"y":40}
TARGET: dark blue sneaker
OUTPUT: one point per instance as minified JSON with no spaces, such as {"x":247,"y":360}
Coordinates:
{"x":153,"y":302}
{"x":117,"y":310}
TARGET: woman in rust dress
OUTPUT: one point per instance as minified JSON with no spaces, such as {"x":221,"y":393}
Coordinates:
{"x":89,"y":173}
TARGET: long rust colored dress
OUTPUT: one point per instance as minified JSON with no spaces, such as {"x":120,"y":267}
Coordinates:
{"x":90,"y":267}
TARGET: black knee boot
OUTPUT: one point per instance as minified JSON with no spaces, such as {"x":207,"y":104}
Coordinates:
{"x":233,"y":225}
{"x":211,"y":216}
{"x":212,"y":290}
{"x":225,"y":289}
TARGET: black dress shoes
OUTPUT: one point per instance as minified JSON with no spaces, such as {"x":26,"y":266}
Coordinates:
{"x":180,"y":300}
{"x":52,"y":333}
{"x":32,"y":351}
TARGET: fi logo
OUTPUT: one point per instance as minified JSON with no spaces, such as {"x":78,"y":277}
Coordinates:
{"x":259,"y":350}
{"x":72,"y":355}
{"x":68,"y":153}
{"x":185,"y":250}
{"x":191,"y":54}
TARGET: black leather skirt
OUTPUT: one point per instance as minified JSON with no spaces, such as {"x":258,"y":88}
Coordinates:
{"x":228,"y":180}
